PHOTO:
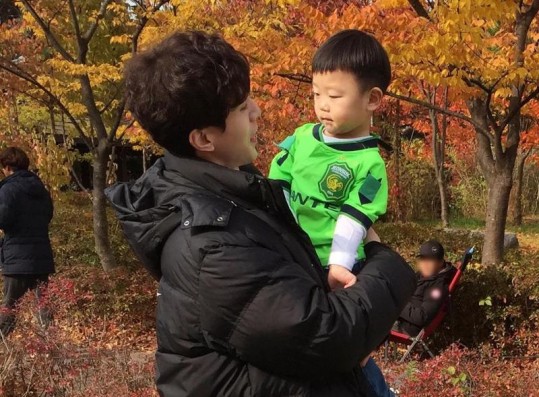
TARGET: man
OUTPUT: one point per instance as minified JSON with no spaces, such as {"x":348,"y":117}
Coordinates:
{"x":26,"y":256}
{"x":433,"y":278}
{"x":244,"y":307}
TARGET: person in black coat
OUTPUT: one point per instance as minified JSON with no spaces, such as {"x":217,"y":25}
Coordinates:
{"x":433,"y":279}
{"x":26,"y":258}
{"x":244,"y":307}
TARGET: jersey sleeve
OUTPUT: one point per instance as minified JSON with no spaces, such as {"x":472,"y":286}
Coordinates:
{"x":367,"y":200}
{"x":281,"y":166}
{"x":347,"y":237}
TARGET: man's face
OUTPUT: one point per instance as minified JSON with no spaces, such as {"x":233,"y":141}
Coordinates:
{"x":236,"y":145}
{"x":341,"y":105}
{"x":429,"y":266}
{"x":7,"y":171}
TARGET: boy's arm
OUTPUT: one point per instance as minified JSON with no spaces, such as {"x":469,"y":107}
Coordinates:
{"x":365,"y":204}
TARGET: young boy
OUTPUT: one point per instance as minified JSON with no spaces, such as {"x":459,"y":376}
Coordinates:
{"x":332,"y":172}
{"x":433,"y":278}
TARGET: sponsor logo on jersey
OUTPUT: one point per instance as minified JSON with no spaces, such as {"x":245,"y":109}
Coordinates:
{"x":336,"y":181}
{"x":303,"y":200}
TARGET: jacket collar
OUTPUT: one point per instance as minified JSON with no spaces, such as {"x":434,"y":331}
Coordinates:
{"x":368,"y":143}
{"x":15,"y":175}
{"x":236,"y":186}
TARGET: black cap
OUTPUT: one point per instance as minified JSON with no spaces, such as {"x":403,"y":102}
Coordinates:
{"x":431,"y":249}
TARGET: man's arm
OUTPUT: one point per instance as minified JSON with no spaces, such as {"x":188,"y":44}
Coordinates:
{"x":290,"y":325}
{"x":433,"y":299}
{"x":7,"y":208}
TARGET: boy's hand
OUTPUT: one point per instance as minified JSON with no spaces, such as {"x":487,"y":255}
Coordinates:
{"x":340,"y":277}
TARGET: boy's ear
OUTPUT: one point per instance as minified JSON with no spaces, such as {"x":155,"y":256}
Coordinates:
{"x":201,"y":140}
{"x":375,"y":99}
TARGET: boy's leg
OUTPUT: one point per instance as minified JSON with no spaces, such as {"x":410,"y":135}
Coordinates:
{"x":376,"y":379}
{"x":14,"y":289}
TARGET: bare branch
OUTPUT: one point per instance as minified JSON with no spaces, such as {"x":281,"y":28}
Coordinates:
{"x":48,"y":33}
{"x":111,"y":100}
{"x":419,"y":9}
{"x":75,"y":20}
{"x":117,"y":121}
{"x":302,"y":78}
{"x":142,"y":23}
{"x":126,"y":128}
{"x":93,"y":27}
{"x":16,"y":71}
{"x":134,"y":48}
{"x":440,"y":110}
{"x":531,"y":96}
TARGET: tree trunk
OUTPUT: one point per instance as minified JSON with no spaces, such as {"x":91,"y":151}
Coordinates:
{"x":438,"y":151}
{"x":400,"y":215}
{"x":497,"y":168}
{"x":499,"y":191}
{"x":144,"y":165}
{"x":517,"y":193}
{"x":444,"y":204}
{"x":99,"y":204}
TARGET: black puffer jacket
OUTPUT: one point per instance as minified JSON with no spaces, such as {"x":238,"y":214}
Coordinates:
{"x":431,"y":293}
{"x":25,"y":213}
{"x":243,"y":306}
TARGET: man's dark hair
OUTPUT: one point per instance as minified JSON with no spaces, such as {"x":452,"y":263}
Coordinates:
{"x":190,"y":80}
{"x":14,"y":158}
{"x":358,"y":53}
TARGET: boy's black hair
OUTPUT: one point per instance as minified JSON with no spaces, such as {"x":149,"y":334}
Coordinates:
{"x":14,"y":158}
{"x":188,"y":81}
{"x":358,"y":53}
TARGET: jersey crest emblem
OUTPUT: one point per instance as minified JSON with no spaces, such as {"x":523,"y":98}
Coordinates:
{"x":336,"y":181}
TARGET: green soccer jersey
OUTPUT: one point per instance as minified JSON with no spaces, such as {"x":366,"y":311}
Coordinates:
{"x":326,"y":180}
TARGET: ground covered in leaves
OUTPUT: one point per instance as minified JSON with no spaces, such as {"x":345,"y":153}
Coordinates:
{"x":103,"y":337}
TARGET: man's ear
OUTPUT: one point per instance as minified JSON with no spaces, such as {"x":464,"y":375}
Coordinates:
{"x":375,"y":99}
{"x":201,"y":140}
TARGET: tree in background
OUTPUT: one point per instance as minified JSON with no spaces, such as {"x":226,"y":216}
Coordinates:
{"x":83,"y":45}
{"x":486,"y":51}
{"x":464,"y":72}
{"x":528,"y":146}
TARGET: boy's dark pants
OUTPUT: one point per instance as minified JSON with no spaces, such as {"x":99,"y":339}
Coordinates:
{"x":15,"y":286}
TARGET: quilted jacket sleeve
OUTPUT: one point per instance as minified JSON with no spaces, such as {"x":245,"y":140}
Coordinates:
{"x":270,"y":313}
{"x":7,"y":210}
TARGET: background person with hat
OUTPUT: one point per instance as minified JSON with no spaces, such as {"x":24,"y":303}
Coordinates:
{"x":433,"y":278}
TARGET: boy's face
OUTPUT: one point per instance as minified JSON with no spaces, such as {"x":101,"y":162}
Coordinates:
{"x":236,"y":145}
{"x":429,"y":266}
{"x":342,"y":105}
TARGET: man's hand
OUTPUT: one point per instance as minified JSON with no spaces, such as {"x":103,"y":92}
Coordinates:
{"x":372,"y":236}
{"x":340,"y":277}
